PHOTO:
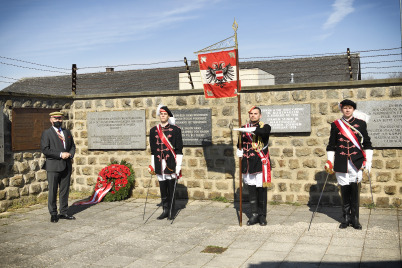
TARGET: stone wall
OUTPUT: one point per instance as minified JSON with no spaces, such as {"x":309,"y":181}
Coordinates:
{"x":212,"y":171}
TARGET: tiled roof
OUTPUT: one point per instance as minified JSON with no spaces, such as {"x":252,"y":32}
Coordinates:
{"x":305,"y":70}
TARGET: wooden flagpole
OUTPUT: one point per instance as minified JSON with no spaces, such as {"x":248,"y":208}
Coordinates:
{"x":235,"y":26}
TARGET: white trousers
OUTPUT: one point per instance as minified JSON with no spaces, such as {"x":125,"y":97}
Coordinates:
{"x":253,"y":179}
{"x":353,"y":175}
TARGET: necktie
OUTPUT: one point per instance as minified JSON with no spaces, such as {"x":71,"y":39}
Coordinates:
{"x":61,"y":137}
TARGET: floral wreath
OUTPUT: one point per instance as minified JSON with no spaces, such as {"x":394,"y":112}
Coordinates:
{"x":121,"y":177}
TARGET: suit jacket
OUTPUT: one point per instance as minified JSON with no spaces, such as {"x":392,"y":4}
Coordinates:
{"x":344,"y":149}
{"x":52,"y":147}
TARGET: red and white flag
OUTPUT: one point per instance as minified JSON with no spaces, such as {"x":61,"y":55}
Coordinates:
{"x":219,"y":74}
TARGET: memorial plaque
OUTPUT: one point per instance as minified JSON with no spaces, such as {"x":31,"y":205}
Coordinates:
{"x":385,"y":124}
{"x":287,"y":118}
{"x":116,"y":130}
{"x":27,"y":127}
{"x":196,"y":126}
{"x":1,"y":135}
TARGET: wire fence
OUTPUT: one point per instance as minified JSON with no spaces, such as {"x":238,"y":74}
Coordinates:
{"x":364,"y":64}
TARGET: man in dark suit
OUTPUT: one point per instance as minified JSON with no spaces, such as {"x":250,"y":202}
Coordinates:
{"x":57,"y":144}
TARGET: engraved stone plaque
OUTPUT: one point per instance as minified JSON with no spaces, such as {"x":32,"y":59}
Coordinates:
{"x":287,"y":118}
{"x":385,"y":124}
{"x":116,"y":130}
{"x":1,"y":135}
{"x":196,"y":126}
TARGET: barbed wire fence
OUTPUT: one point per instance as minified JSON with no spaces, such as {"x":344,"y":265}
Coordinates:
{"x":366,"y":64}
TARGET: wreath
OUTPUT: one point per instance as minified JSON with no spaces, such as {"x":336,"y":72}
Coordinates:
{"x":121,"y":177}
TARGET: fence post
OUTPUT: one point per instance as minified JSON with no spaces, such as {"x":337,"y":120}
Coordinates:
{"x":188,"y":73}
{"x":74,"y":80}
{"x":350,"y":65}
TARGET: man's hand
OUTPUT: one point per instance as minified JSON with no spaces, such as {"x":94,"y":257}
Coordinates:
{"x":65,"y":155}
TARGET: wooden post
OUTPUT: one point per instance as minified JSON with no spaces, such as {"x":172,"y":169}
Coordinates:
{"x":74,"y":79}
{"x":188,"y":73}
{"x":350,"y":65}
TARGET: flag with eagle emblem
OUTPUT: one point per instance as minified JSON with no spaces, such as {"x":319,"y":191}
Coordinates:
{"x":218,"y":73}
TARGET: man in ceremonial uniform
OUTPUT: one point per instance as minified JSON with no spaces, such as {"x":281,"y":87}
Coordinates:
{"x":349,"y":151}
{"x":166,"y":144}
{"x":256,"y":166}
{"x":57,"y":144}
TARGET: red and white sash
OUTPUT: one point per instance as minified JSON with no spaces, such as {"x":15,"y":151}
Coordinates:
{"x":97,"y":196}
{"x":266,"y":165}
{"x":166,"y":142}
{"x":344,"y":128}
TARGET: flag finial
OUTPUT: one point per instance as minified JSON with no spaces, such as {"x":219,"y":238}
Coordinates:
{"x":235,"y":26}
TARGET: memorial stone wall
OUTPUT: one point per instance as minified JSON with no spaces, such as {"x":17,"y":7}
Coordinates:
{"x":210,"y":167}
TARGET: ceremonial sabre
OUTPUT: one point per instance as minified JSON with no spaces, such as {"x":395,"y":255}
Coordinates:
{"x":171,"y":204}
{"x":312,"y":216}
{"x":371,"y":188}
{"x":145,"y":205}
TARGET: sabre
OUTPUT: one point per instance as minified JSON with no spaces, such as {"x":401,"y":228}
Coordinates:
{"x":149,"y":185}
{"x":171,"y":203}
{"x":371,"y":188}
{"x":312,"y":216}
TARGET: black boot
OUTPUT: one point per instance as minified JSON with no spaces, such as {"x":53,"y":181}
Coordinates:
{"x":355,"y":198}
{"x":262,"y":205}
{"x":163,"y":186}
{"x":252,"y":193}
{"x":346,"y":197}
{"x":172,"y":199}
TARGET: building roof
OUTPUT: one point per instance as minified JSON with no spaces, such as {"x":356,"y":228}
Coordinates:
{"x":305,"y":70}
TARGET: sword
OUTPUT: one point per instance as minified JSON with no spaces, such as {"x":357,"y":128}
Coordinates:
{"x":145,"y":205}
{"x":312,"y":216}
{"x":371,"y":188}
{"x":171,"y":203}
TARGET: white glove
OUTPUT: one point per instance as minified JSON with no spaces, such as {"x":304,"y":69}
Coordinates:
{"x":245,"y":129}
{"x":369,"y":159}
{"x":153,"y":161}
{"x":239,"y":153}
{"x":179,"y":161}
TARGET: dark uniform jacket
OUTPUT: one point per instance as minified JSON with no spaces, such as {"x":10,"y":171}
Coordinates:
{"x":251,"y":162}
{"x":51,"y":146}
{"x":345,"y":149}
{"x":160,"y":151}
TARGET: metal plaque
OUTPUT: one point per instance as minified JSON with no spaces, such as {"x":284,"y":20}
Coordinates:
{"x":196,"y":126}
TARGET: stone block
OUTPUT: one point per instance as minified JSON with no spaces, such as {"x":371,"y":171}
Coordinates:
{"x":288,"y":152}
{"x":383,"y":176}
{"x":29,"y":177}
{"x":222,"y":185}
{"x":214,"y":195}
{"x":208,"y":185}
{"x":17,"y":181}
{"x":395,"y":92}
{"x":87,"y":170}
{"x":297,"y":142}
{"x":302,"y":175}
{"x":192,"y":162}
{"x":312,"y":142}
{"x":282,"y":187}
{"x":200,"y":174}
{"x":390,"y":190}
{"x":109,"y":103}
{"x":295,"y":187}
{"x":392,"y":164}
{"x":294,"y":163}
{"x":12,"y":193}
{"x":303,"y":199}
{"x":33,"y":165}
{"x":198,"y":195}
{"x":382,"y":202}
{"x":24,"y":191}
{"x":398,"y":177}
{"x":377,"y":92}
{"x":274,"y":152}
{"x":181,"y":101}
{"x":41,"y":175}
{"x":277,"y":198}
{"x":23,"y":167}
{"x":319,"y":152}
{"x":18,"y":157}
{"x":35,"y":188}
{"x":28,"y":156}
{"x":282,"y":174}
{"x":377,"y":164}
{"x":389,"y":153}
{"x":303,"y":152}
{"x":3,"y":194}
{"x":193,"y":183}
{"x":299,"y":95}
{"x":309,"y":163}
{"x":228,"y":111}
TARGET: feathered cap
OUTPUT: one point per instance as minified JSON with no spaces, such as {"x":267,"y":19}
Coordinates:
{"x":164,"y":108}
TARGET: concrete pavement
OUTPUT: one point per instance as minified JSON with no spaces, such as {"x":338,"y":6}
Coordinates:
{"x":115,"y":235}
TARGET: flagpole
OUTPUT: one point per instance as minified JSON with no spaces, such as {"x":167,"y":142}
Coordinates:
{"x":235,"y":26}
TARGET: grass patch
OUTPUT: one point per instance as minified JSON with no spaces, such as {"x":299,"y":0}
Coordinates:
{"x":214,"y":249}
{"x":274,"y":203}
{"x":221,"y":199}
{"x":296,"y":204}
{"x":370,"y":206}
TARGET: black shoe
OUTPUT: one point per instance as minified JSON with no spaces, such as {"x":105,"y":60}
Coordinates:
{"x":66,"y":217}
{"x":164,"y":214}
{"x":54,"y":218}
{"x":253,"y":220}
{"x":263,"y":220}
{"x":356,"y":224}
{"x":345,"y":222}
